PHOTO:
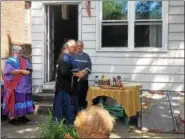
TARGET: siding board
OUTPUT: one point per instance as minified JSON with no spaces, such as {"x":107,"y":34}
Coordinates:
{"x":172,"y":54}
{"x":37,"y":59}
{"x":143,"y":77}
{"x":176,"y":19}
{"x":38,"y":29}
{"x":37,"y":21}
{"x":36,"y":51}
{"x":176,"y":28}
{"x":37,"y":13}
{"x":138,"y":61}
{"x":37,"y":75}
{"x":37,"y":44}
{"x":88,"y":21}
{"x":111,"y":68}
{"x":176,"y":10}
{"x":88,"y":28}
{"x":37,"y":36}
{"x":158,"y":86}
{"x":89,"y":44}
{"x":89,"y":36}
{"x":36,"y":5}
{"x":176,"y":3}
{"x":179,"y":36}
{"x":176,"y":45}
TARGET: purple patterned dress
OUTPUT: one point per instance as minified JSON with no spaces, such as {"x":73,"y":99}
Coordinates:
{"x":23,"y":92}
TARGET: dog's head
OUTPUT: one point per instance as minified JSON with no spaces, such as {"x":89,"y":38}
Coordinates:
{"x":94,"y":122}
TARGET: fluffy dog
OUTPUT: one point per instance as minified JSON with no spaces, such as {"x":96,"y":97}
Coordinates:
{"x":94,"y":122}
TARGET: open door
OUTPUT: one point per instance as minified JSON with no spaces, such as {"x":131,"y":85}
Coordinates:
{"x":49,"y":53}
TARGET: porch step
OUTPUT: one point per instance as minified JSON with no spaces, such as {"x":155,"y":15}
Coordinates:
{"x":44,"y":97}
{"x":43,"y":101}
{"x":49,"y":86}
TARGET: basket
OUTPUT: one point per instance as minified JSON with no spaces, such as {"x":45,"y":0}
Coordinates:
{"x":104,"y":82}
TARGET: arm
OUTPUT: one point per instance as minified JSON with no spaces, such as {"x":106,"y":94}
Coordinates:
{"x":89,"y":66}
{"x":85,"y":71}
{"x":64,"y":68}
{"x":15,"y":72}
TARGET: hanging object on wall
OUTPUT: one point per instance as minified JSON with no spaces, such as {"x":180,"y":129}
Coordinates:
{"x":65,"y":13}
{"x":88,"y":7}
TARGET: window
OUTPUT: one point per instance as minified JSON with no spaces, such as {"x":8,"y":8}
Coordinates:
{"x":148,"y":24}
{"x":134,"y":24}
{"x":115,"y":24}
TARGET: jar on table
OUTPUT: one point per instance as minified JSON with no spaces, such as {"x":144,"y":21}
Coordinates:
{"x":96,"y":81}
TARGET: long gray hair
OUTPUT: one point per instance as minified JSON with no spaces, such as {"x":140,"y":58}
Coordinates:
{"x":16,"y":49}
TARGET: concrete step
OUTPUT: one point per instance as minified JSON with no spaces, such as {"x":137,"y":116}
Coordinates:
{"x":43,"y":97}
{"x":49,"y":86}
{"x":43,"y":108}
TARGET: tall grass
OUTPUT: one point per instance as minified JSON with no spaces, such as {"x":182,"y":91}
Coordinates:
{"x":58,"y":130}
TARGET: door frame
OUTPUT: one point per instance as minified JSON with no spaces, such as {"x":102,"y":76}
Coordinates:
{"x":45,"y":3}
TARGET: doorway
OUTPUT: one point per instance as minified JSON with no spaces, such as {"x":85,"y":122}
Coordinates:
{"x":61,"y":25}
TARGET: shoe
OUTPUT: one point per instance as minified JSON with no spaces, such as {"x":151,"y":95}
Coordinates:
{"x":14,"y":122}
{"x":24,"y":119}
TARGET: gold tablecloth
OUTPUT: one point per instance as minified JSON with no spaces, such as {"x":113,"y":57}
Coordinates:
{"x":129,"y":98}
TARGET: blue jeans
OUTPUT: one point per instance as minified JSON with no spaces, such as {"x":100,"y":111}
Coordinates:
{"x":65,"y":107}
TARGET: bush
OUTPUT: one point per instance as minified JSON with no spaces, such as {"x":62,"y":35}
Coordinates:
{"x":58,"y":130}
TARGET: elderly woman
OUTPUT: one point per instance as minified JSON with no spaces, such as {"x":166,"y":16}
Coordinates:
{"x":17,"y":99}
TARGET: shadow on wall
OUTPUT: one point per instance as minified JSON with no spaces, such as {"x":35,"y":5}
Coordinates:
{"x":156,"y":71}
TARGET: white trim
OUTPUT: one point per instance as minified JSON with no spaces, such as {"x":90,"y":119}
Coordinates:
{"x":143,"y":49}
{"x":98,"y":24}
{"x":79,"y":21}
{"x":165,"y":15}
{"x":44,"y":3}
{"x":67,"y":2}
{"x":131,"y":26}
{"x":44,"y":46}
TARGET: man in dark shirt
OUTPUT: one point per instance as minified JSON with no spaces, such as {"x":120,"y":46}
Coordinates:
{"x":84,"y":64}
{"x":65,"y":104}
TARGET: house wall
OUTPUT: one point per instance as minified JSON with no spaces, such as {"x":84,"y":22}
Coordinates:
{"x":157,"y":70}
{"x":12,"y":23}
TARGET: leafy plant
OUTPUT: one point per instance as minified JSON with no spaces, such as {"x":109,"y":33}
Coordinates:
{"x":58,"y":130}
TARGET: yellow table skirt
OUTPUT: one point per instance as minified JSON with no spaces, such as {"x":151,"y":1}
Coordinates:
{"x":129,"y":98}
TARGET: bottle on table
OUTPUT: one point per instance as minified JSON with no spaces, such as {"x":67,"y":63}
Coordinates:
{"x":96,"y":81}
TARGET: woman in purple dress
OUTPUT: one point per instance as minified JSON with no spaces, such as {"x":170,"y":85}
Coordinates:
{"x":17,"y":99}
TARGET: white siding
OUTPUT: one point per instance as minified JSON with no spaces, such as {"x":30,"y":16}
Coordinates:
{"x":163,"y":70}
{"x":160,"y":70}
{"x":37,"y":45}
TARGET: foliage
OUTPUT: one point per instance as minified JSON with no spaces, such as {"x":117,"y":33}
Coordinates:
{"x":117,"y":9}
{"x":58,"y":130}
{"x":114,"y":10}
{"x":148,"y":9}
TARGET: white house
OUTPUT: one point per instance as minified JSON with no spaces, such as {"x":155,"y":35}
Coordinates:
{"x":126,"y":40}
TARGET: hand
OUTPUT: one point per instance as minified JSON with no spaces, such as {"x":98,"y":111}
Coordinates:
{"x":80,"y":74}
{"x":25,"y":72}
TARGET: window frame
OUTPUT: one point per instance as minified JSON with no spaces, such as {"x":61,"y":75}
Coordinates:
{"x":131,"y":29}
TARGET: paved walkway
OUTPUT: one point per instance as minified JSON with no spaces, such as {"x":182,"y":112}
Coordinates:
{"x":31,"y":130}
